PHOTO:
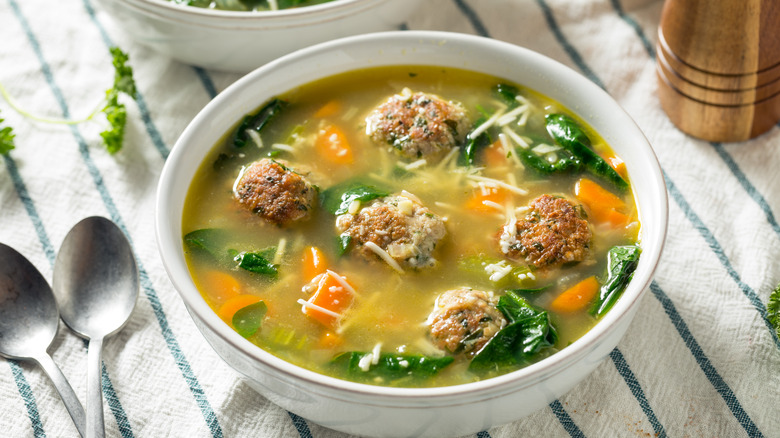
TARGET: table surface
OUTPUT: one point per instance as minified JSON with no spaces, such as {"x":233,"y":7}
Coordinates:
{"x":698,"y":360}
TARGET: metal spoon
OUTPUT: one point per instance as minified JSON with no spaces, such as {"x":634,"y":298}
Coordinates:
{"x":29,"y":321}
{"x":96,"y":284}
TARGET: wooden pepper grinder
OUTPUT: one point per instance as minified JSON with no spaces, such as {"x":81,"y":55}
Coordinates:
{"x":719,"y":67}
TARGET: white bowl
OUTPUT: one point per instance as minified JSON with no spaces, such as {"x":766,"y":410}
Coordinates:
{"x":240,"y":41}
{"x":446,"y":411}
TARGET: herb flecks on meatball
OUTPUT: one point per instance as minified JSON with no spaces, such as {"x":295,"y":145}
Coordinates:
{"x":464,"y":320}
{"x":418,"y":125}
{"x":275,"y":192}
{"x":402,"y":227}
{"x":552,"y":233}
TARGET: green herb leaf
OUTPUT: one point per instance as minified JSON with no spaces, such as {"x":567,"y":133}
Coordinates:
{"x":621,"y":263}
{"x":566,"y":161}
{"x":571,"y":137}
{"x":773,"y":309}
{"x":257,"y":262}
{"x":115,"y":112}
{"x":507,"y":93}
{"x":528,"y":332}
{"x":6,"y":139}
{"x":390,"y":369}
{"x":248,"y":320}
{"x":256,"y":122}
{"x":338,"y":198}
{"x":209,"y":240}
{"x":344,"y":240}
{"x":474,"y":144}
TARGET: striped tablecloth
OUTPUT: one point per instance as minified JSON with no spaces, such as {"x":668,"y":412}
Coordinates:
{"x":698,"y":361}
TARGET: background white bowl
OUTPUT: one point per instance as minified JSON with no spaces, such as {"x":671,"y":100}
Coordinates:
{"x":240,"y":41}
{"x":448,"y":411}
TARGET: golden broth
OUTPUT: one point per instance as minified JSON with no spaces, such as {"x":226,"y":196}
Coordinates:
{"x":391,"y":308}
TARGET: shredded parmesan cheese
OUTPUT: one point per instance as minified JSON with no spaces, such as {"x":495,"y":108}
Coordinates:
{"x":507,"y":186}
{"x":280,"y":251}
{"x":411,"y":196}
{"x":415,"y":164}
{"x":354,"y":206}
{"x":499,"y":270}
{"x":255,"y":136}
{"x":545,"y":148}
{"x":384,"y":256}
{"x":307,"y":305}
{"x":485,"y":126}
{"x":283,"y":147}
{"x":342,"y":281}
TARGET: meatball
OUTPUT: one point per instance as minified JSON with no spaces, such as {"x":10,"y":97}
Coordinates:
{"x":400,"y":225}
{"x":551,"y":234}
{"x":464,"y":320}
{"x":418,"y":125}
{"x":275,"y":192}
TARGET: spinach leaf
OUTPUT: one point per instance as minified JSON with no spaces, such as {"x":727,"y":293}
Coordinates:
{"x":256,"y":122}
{"x":528,"y":332}
{"x":534,"y":290}
{"x":344,"y":240}
{"x":570,"y":135}
{"x":390,"y":368}
{"x":338,"y":198}
{"x":247,"y":320}
{"x":507,"y":94}
{"x":566,"y":161}
{"x":258,"y":262}
{"x":209,"y":240}
{"x":621,"y":263}
{"x":474,"y":144}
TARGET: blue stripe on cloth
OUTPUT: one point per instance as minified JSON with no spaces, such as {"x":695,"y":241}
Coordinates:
{"x":476,"y":23}
{"x":300,"y":425}
{"x":151,"y":129}
{"x":749,"y":188}
{"x":29,"y":205}
{"x":721,"y":255}
{"x":706,"y":366}
{"x":112,"y":400}
{"x":29,"y":399}
{"x":633,"y":384}
{"x":483,"y":434}
{"x":638,"y":29}
{"x":570,"y":50}
{"x":754,"y":194}
{"x":208,"y":84}
{"x":146,"y":284}
{"x":565,"y":420}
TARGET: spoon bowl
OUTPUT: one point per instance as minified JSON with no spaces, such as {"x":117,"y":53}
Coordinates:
{"x":28,"y":323}
{"x":96,"y":284}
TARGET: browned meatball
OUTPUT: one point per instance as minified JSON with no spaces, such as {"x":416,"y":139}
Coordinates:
{"x":464,"y":320}
{"x":399,"y":225}
{"x":551,"y":234}
{"x":418,"y":125}
{"x":275,"y":192}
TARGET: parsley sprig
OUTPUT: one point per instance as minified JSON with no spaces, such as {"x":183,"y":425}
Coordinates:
{"x":115,"y":112}
{"x":6,"y":138}
{"x":773,"y":309}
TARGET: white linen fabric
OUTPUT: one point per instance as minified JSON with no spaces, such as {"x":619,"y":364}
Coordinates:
{"x":698,"y":360}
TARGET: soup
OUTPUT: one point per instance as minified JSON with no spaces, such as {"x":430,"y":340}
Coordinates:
{"x":411,"y":226}
{"x":250,"y":5}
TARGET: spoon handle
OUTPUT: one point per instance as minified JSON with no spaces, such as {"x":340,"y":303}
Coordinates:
{"x":95,"y":425}
{"x":72,"y":403}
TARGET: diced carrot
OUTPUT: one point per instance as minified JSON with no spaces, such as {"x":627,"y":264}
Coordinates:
{"x":576,"y":297}
{"x":220,"y":286}
{"x":495,"y":155}
{"x":314,"y":262}
{"x":332,"y":145}
{"x":330,"y":295}
{"x":330,"y":108}
{"x":617,"y":163}
{"x":330,"y":340}
{"x":603,"y":206}
{"x":486,"y":200}
{"x":233,"y":305}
